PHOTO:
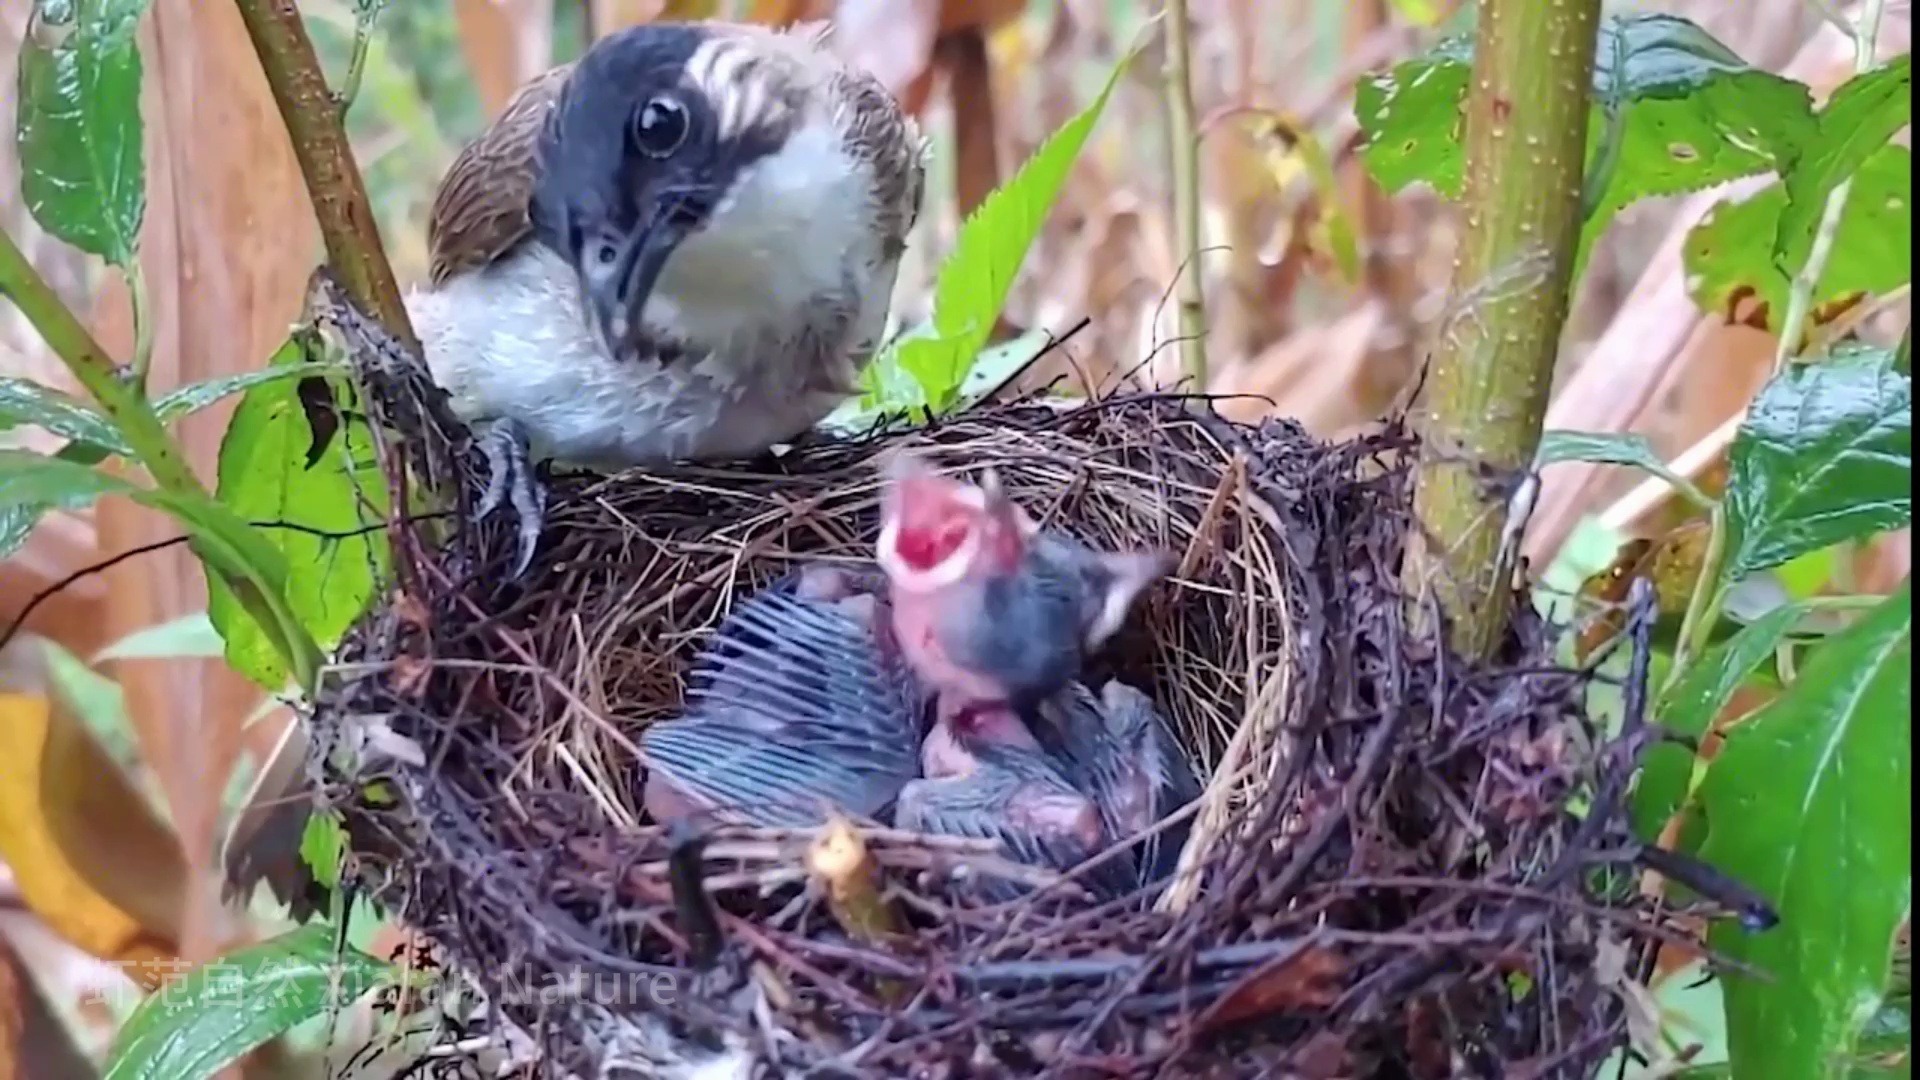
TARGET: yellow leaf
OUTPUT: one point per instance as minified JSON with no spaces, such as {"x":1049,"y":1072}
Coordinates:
{"x":1292,"y":152}
{"x":74,"y":831}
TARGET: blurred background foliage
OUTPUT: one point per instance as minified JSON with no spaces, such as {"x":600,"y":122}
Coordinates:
{"x":1322,"y":295}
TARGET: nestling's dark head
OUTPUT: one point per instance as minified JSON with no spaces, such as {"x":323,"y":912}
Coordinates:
{"x":651,"y":146}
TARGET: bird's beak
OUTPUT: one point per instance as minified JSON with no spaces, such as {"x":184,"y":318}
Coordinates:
{"x":621,"y":296}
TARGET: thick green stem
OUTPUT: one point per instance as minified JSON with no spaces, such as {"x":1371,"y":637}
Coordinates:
{"x":1526,"y":135}
{"x":96,"y":371}
{"x":312,"y":116}
{"x":1183,"y":143}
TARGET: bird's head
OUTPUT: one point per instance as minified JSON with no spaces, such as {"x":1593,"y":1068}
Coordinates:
{"x":681,"y":143}
{"x":936,"y":531}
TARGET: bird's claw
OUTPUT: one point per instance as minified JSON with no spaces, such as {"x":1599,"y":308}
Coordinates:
{"x":511,"y":480}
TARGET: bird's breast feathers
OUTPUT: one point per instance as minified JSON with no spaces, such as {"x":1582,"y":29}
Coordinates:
{"x":776,"y":305}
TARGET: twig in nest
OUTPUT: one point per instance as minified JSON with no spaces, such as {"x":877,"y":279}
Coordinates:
{"x":684,"y":872}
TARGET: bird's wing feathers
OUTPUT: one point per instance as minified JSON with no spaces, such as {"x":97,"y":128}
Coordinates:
{"x":1032,"y":823}
{"x":480,"y":208}
{"x":798,"y":662}
{"x":878,"y":132}
{"x":769,"y":781}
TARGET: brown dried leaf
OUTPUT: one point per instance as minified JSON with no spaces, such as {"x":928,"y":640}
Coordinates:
{"x":34,"y":1042}
{"x":786,"y":12}
{"x":1292,"y":982}
{"x":1606,"y":591}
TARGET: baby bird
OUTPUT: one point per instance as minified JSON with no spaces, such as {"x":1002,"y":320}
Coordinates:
{"x":1118,"y":748}
{"x":987,"y":778}
{"x":801,"y":702}
{"x":987,"y":605}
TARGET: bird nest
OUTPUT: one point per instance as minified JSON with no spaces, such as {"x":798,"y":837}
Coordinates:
{"x":1384,"y":877}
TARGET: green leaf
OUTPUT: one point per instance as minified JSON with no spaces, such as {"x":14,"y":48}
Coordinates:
{"x":196,"y":396}
{"x":1689,"y":707}
{"x":82,"y":165}
{"x":1418,"y":12}
{"x":1691,"y":114}
{"x":992,"y":245}
{"x":321,"y":844}
{"x":32,"y":484}
{"x":16,"y":524}
{"x":1676,"y":111}
{"x":321,"y":517}
{"x":101,"y":704}
{"x":1414,"y":120}
{"x":1810,"y":803}
{"x":1824,"y":455}
{"x":1859,"y":119}
{"x":1729,"y":256}
{"x":1613,"y":449}
{"x":23,"y":401}
{"x":189,"y":635}
{"x":30,"y":479}
{"x":215,"y":1014}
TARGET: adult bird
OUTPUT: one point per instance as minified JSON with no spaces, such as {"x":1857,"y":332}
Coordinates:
{"x":680,"y":247}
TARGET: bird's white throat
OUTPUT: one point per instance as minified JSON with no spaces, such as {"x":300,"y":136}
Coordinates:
{"x":797,"y":225}
{"x":774,"y":301}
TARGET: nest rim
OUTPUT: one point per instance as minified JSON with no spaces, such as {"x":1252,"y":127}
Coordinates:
{"x":1276,"y":505}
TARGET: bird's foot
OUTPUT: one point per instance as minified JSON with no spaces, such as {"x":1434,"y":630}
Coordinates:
{"x":511,"y":479}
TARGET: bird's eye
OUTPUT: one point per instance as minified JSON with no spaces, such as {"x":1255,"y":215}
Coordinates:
{"x":605,"y":253}
{"x":660,"y":127}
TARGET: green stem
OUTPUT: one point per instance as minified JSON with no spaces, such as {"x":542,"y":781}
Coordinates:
{"x":1800,"y":293}
{"x":1607,"y":160}
{"x":1184,"y":147}
{"x":364,"y":16}
{"x":1855,"y":602}
{"x":340,"y":203}
{"x":142,"y":302}
{"x":1703,"y":607}
{"x":96,"y":371}
{"x":1526,"y":141}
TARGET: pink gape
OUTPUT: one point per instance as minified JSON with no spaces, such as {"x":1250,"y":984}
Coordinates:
{"x":987,"y":606}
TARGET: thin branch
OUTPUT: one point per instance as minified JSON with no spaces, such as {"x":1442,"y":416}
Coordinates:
{"x":1183,"y":144}
{"x":1800,"y":296}
{"x":142,"y":304}
{"x":366,"y":13}
{"x":95,"y":371}
{"x":108,"y":563}
{"x":312,"y":115}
